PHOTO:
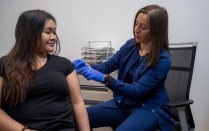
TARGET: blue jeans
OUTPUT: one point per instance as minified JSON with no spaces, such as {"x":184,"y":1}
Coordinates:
{"x":124,"y":118}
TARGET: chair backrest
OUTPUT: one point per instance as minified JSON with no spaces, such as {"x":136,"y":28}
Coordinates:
{"x":179,"y":78}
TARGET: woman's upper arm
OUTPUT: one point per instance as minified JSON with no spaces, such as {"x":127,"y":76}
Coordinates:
{"x":74,"y":87}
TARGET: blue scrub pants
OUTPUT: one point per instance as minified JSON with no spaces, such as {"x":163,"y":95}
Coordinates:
{"x":124,"y":118}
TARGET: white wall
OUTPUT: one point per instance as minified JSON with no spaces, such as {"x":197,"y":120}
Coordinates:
{"x":80,"y":21}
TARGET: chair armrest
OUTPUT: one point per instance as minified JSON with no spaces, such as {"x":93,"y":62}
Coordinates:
{"x":179,"y":103}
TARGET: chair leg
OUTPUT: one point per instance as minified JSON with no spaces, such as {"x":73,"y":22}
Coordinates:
{"x":182,"y":118}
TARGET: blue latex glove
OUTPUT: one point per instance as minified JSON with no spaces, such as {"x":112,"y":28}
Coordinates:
{"x":80,"y":65}
{"x":92,"y":74}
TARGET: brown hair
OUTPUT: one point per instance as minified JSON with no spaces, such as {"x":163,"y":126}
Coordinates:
{"x":19,"y":61}
{"x":159,"y":30}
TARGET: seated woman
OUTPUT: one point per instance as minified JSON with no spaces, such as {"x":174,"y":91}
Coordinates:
{"x":139,"y":92}
{"x":39,"y":90}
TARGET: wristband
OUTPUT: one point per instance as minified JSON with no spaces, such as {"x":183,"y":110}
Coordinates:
{"x":106,"y":79}
{"x":25,"y":127}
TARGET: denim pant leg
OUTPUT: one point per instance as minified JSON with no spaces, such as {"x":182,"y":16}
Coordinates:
{"x":100,"y":116}
{"x":140,"y":119}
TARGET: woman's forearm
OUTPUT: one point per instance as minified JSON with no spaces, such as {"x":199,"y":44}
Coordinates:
{"x":8,"y":124}
{"x":81,"y":117}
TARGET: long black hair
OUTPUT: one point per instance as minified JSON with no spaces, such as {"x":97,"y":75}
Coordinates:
{"x":19,"y":61}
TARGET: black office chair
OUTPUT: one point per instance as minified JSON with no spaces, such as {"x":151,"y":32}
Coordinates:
{"x":178,"y":84}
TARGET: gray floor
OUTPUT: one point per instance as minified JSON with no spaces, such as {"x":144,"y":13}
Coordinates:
{"x":103,"y":129}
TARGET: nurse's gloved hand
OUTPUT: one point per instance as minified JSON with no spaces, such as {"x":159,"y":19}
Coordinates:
{"x":92,"y":74}
{"x":80,"y":65}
